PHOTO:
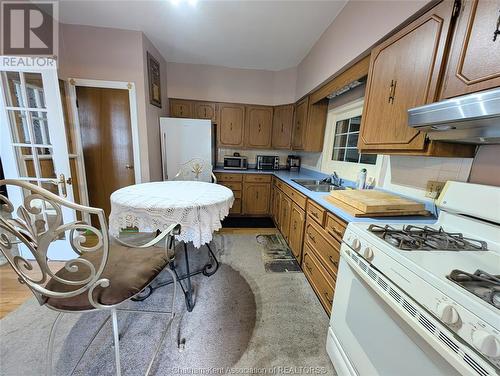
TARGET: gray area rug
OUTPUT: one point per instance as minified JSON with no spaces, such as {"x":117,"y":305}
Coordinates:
{"x":245,"y":320}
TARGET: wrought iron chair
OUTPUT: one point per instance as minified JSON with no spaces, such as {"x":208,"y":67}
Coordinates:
{"x":98,"y":278}
{"x":196,"y":169}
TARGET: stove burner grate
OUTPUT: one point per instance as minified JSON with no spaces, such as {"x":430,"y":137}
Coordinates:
{"x":415,"y":238}
{"x":481,"y":284}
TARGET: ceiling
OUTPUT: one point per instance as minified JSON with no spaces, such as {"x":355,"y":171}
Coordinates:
{"x":270,"y":35}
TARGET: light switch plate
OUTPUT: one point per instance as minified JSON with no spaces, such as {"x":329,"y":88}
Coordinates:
{"x":434,"y":188}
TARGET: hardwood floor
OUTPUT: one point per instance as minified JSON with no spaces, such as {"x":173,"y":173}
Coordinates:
{"x":13,"y":294}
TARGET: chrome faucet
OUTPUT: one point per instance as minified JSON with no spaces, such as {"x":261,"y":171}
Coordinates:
{"x":334,"y":179}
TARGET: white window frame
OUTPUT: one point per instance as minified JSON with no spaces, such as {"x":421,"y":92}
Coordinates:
{"x":345,"y":169}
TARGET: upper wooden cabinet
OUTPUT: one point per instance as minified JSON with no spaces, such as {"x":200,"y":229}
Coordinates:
{"x":404,"y":73}
{"x":205,"y":110}
{"x":300,"y":123}
{"x":181,"y":108}
{"x":231,"y":125}
{"x":309,"y":125}
{"x":258,"y":126}
{"x":282,"y":127}
{"x":474,"y":61}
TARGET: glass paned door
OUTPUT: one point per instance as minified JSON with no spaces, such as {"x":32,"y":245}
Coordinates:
{"x":33,"y":141}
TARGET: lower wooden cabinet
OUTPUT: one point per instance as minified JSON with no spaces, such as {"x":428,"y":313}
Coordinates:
{"x":276,"y":206}
{"x":256,"y":198}
{"x":285,"y":214}
{"x":322,"y":283}
{"x":296,"y":232}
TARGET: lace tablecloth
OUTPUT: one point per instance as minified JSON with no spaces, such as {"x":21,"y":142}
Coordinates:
{"x":199,"y":208}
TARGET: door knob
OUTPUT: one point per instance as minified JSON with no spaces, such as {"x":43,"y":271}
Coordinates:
{"x":61,"y":182}
{"x":129,"y":167}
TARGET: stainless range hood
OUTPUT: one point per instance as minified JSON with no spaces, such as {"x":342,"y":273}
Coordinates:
{"x":473,"y":118}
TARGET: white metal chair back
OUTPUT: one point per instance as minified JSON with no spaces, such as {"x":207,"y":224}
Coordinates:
{"x":26,"y":227}
{"x":197,"y":169}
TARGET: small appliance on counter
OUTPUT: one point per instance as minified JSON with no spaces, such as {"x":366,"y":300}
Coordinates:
{"x":293,"y":163}
{"x":235,"y":162}
{"x":267,"y":162}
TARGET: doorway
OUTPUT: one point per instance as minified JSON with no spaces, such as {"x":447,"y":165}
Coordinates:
{"x":106,"y":122}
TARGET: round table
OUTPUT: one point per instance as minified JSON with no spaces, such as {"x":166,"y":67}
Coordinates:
{"x":197,"y":206}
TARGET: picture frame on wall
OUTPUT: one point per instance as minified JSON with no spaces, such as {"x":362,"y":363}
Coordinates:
{"x":154,"y":81}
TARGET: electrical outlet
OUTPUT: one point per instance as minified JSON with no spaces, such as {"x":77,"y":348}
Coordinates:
{"x":434,"y":188}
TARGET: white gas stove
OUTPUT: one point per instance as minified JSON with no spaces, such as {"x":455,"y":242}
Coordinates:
{"x":441,"y":283}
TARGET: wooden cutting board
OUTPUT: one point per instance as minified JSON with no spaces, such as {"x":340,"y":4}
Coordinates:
{"x":370,"y":201}
{"x":358,"y":213}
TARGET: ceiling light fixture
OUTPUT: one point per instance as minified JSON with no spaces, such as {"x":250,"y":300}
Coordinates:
{"x":190,"y":2}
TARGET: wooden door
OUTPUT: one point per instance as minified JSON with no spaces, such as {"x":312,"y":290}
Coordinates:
{"x":285,"y":213}
{"x":300,"y":124}
{"x":231,"y":127}
{"x":297,"y":221}
{"x":205,"y":110}
{"x":258,"y":126}
{"x":282,"y":127}
{"x":256,"y":198}
{"x":104,"y":116}
{"x":181,"y":108}
{"x":404,"y":72}
{"x":474,"y":62}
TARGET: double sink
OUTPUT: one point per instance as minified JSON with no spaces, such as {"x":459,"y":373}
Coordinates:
{"x":318,"y":185}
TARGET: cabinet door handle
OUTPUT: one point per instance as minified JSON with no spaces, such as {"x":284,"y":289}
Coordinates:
{"x":496,"y":33}
{"x":257,"y":195}
{"x":281,"y":127}
{"x":335,"y":263}
{"x":313,"y":239}
{"x":328,"y":298}
{"x":231,"y":126}
{"x":308,"y":268}
{"x":392,"y":91}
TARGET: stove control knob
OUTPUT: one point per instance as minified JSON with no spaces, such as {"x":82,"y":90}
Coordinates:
{"x":356,"y":244}
{"x":486,"y":343}
{"x":368,"y":254}
{"x":448,"y":314}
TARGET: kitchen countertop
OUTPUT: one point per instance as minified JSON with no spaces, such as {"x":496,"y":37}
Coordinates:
{"x":319,"y":197}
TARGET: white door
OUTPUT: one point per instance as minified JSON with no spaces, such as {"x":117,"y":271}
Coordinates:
{"x":33,"y":144}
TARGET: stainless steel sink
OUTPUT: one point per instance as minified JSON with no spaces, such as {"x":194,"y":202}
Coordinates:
{"x":317,"y":185}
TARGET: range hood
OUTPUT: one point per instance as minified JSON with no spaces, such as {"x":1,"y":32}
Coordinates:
{"x":472,"y":118}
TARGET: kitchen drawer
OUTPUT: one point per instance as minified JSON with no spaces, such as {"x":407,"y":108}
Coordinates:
{"x":335,"y":226}
{"x":232,"y":186}
{"x":236,"y":208}
{"x":296,"y":196}
{"x":223,"y":177}
{"x":316,"y":212}
{"x":279,"y":184}
{"x":257,"y":178}
{"x":322,"y":283}
{"x":327,"y":248}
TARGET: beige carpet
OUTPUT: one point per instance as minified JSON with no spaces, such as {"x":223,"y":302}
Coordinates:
{"x":245,"y":320}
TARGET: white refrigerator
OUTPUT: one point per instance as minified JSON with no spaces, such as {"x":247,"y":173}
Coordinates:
{"x":185,"y":139}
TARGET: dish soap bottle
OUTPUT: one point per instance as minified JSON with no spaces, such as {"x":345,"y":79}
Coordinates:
{"x":361,"y":181}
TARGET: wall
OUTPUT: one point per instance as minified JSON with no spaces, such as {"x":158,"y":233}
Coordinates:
{"x":359,"y":25}
{"x":486,"y":166}
{"x":117,"y":55}
{"x":216,"y":83}
{"x":154,"y":113}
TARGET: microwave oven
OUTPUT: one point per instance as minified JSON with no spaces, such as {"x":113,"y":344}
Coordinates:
{"x":232,"y":162}
{"x":268,"y":162}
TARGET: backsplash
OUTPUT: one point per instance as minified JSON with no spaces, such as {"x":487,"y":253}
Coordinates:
{"x":409,"y":175}
{"x":251,"y":154}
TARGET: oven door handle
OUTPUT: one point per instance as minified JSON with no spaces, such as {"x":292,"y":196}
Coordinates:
{"x":398,"y":300}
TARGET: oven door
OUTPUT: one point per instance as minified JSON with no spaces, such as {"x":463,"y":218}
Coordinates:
{"x":370,"y":338}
